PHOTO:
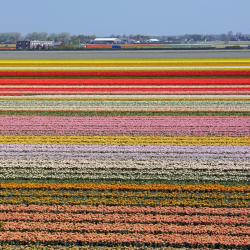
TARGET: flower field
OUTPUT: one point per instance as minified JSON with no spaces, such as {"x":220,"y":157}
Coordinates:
{"x":125,"y":154}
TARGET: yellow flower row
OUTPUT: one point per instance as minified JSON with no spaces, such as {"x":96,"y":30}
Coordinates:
{"x":128,"y":140}
{"x":124,"y":64}
{"x":104,"y":68}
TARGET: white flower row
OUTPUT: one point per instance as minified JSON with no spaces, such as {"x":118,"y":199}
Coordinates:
{"x":117,"y":170}
{"x":162,"y":164}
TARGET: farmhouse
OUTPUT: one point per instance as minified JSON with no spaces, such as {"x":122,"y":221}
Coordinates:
{"x":26,"y":44}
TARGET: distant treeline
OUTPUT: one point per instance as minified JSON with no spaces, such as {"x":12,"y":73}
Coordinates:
{"x":64,"y":37}
{"x":67,"y":39}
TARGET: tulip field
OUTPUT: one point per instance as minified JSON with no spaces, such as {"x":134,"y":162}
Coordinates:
{"x":125,"y":154}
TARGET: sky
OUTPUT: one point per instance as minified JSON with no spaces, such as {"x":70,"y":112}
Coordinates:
{"x":106,"y":17}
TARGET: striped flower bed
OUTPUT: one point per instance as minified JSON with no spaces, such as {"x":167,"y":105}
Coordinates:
{"x":125,"y":154}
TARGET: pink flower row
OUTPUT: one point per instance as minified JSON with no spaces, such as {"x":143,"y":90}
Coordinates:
{"x":138,"y":228}
{"x":140,"y":121}
{"x":113,"y":238}
{"x":112,"y":125}
{"x":174,"y":131}
{"x":126,"y":209}
{"x":128,"y":218}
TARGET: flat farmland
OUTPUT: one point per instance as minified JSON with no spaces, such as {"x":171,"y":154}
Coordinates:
{"x":125,"y":153}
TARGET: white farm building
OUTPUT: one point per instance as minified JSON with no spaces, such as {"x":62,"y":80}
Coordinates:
{"x":108,"y":40}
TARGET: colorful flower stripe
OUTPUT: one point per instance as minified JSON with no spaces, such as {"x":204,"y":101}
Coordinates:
{"x":133,"y":62}
{"x":125,"y":218}
{"x":92,"y":152}
{"x":123,"y":126}
{"x":182,"y":73}
{"x":124,"y":164}
{"x":154,"y":107}
{"x":110,"y":201}
{"x":33,"y":246}
{"x":124,"y":227}
{"x":124,"y":198}
{"x":131,"y":98}
{"x":126,"y":82}
{"x":131,"y":157}
{"x":127,"y":140}
{"x":172,"y":169}
{"x":215,"y":122}
{"x":127,"y":239}
{"x":123,"y":68}
{"x":114,"y":98}
{"x":124,"y":175}
{"x":123,"y":91}
{"x":116,"y":194}
{"x":126,"y":106}
{"x":152,"y":187}
{"x":126,"y":209}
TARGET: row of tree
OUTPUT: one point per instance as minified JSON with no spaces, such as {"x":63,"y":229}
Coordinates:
{"x":67,"y":38}
{"x":63,"y":37}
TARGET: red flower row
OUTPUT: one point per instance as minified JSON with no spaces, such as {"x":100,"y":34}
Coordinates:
{"x":128,"y":81}
{"x":125,"y":73}
{"x":120,"y":90}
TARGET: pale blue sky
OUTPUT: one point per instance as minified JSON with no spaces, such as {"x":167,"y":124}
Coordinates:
{"x":105,"y":17}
